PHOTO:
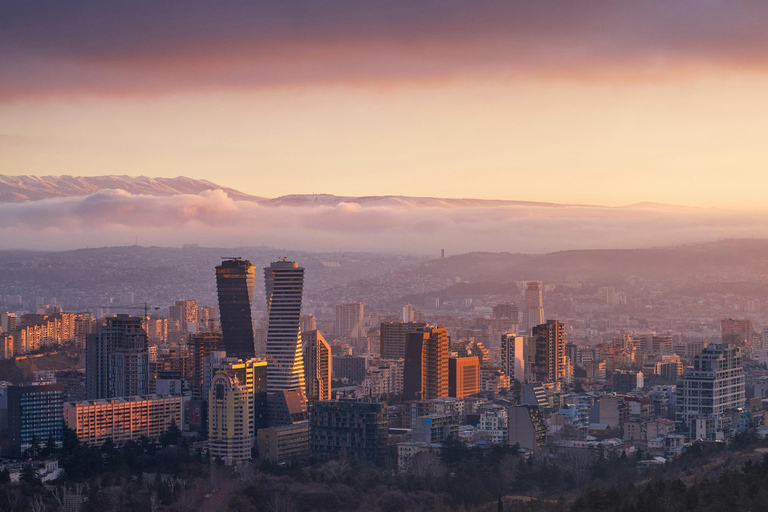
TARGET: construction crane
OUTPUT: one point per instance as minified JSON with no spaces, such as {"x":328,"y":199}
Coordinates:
{"x":146,"y":307}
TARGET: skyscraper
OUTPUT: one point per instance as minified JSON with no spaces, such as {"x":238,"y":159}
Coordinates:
{"x":235,"y":279}
{"x":534,"y":306}
{"x":463,"y":376}
{"x":425,"y":375}
{"x":549,"y":361}
{"x":317,"y":366}
{"x":117,"y":359}
{"x":284,"y":284}
{"x":200,"y":346}
{"x":230,"y":418}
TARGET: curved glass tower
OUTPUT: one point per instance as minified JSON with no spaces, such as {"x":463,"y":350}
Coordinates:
{"x":285,"y":284}
{"x":235,"y":279}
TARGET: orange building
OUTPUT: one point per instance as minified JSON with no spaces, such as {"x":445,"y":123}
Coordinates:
{"x":463,"y":376}
{"x":425,"y":374}
{"x":122,"y":419}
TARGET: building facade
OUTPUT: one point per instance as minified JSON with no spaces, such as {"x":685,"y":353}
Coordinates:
{"x":463,"y":376}
{"x":317,"y":366}
{"x":235,"y":279}
{"x":284,"y":286}
{"x":425,"y":373}
{"x":513,"y":356}
{"x":549,"y":361}
{"x":534,"y":306}
{"x":230,"y":418}
{"x":349,"y":319}
{"x":30,"y":413}
{"x":356,"y":429}
{"x":117,"y":359}
{"x":393,"y":336}
{"x":122,"y":419}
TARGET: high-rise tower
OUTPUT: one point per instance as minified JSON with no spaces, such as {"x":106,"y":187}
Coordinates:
{"x":425,"y":373}
{"x":534,"y":306}
{"x":317,"y":365}
{"x":549,"y":362}
{"x":285,"y":284}
{"x":117,"y":359}
{"x":234,"y":282}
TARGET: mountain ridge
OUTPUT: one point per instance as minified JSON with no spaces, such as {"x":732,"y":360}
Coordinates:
{"x":18,"y":189}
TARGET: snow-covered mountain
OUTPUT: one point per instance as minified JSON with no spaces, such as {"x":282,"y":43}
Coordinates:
{"x":15,"y":189}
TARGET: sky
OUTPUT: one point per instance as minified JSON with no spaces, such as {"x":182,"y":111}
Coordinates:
{"x":588,"y":102}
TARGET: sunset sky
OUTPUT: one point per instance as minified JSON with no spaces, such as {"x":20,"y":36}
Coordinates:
{"x":591,"y":102}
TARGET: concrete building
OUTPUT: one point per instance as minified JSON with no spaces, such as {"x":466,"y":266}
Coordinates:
{"x":527,"y":427}
{"x":117,"y":359}
{"x":201,"y":345}
{"x":434,"y":428}
{"x":393,"y":336}
{"x":349,"y":319}
{"x":352,"y":368}
{"x":284,"y":287}
{"x":549,"y":361}
{"x":710,"y":389}
{"x":736,"y":331}
{"x":513,"y":356}
{"x":235,"y":280}
{"x":285,"y":443}
{"x":356,"y":429}
{"x":463,"y":376}
{"x":123,"y":419}
{"x":425,"y":375}
{"x":317,"y":366}
{"x":230,"y":418}
{"x":534,"y":306}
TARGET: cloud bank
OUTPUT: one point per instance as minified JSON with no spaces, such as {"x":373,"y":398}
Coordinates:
{"x":152,"y":47}
{"x":114,"y":217}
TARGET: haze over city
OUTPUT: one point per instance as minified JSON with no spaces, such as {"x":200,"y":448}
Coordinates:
{"x":383,"y":256}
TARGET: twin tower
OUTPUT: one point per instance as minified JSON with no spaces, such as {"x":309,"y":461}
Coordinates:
{"x":284,"y":280}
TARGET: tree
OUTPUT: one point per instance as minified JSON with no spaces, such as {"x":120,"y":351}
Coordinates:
{"x":5,"y":476}
{"x":29,"y":476}
{"x":50,"y":446}
{"x":34,"y":447}
{"x":172,"y":436}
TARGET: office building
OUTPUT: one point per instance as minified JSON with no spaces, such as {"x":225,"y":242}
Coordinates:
{"x":714,"y":386}
{"x":425,"y":374}
{"x":463,"y":376}
{"x":736,"y":331}
{"x":117,"y":359}
{"x":513,"y":356}
{"x":317,"y":366}
{"x":392,"y":336}
{"x":30,"y":412}
{"x":123,"y":419}
{"x":284,"y":286}
{"x":201,"y":345}
{"x":534,"y":306}
{"x":549,"y":360}
{"x":230,"y":418}
{"x":235,"y":279}
{"x":308,"y":323}
{"x":251,"y":373}
{"x":356,"y":429}
{"x":185,"y":313}
{"x":349,"y":320}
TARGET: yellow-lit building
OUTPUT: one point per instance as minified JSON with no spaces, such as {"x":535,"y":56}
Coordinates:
{"x":230,"y":418}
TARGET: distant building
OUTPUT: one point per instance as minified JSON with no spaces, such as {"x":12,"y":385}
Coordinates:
{"x":549,"y":362}
{"x":506,"y":312}
{"x":625,"y":381}
{"x":434,"y":428}
{"x":185,"y":312}
{"x":736,"y":331}
{"x":284,"y":287}
{"x":27,"y":413}
{"x":355,"y":429}
{"x":534,"y":306}
{"x":463,"y":376}
{"x":308,"y":323}
{"x":317,"y":366}
{"x":513,"y":355}
{"x":393,"y":336}
{"x":235,"y":279}
{"x":117,"y":359}
{"x":201,"y":345}
{"x":122,"y":419}
{"x":349,"y":319}
{"x":425,"y":375}
{"x":352,"y":368}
